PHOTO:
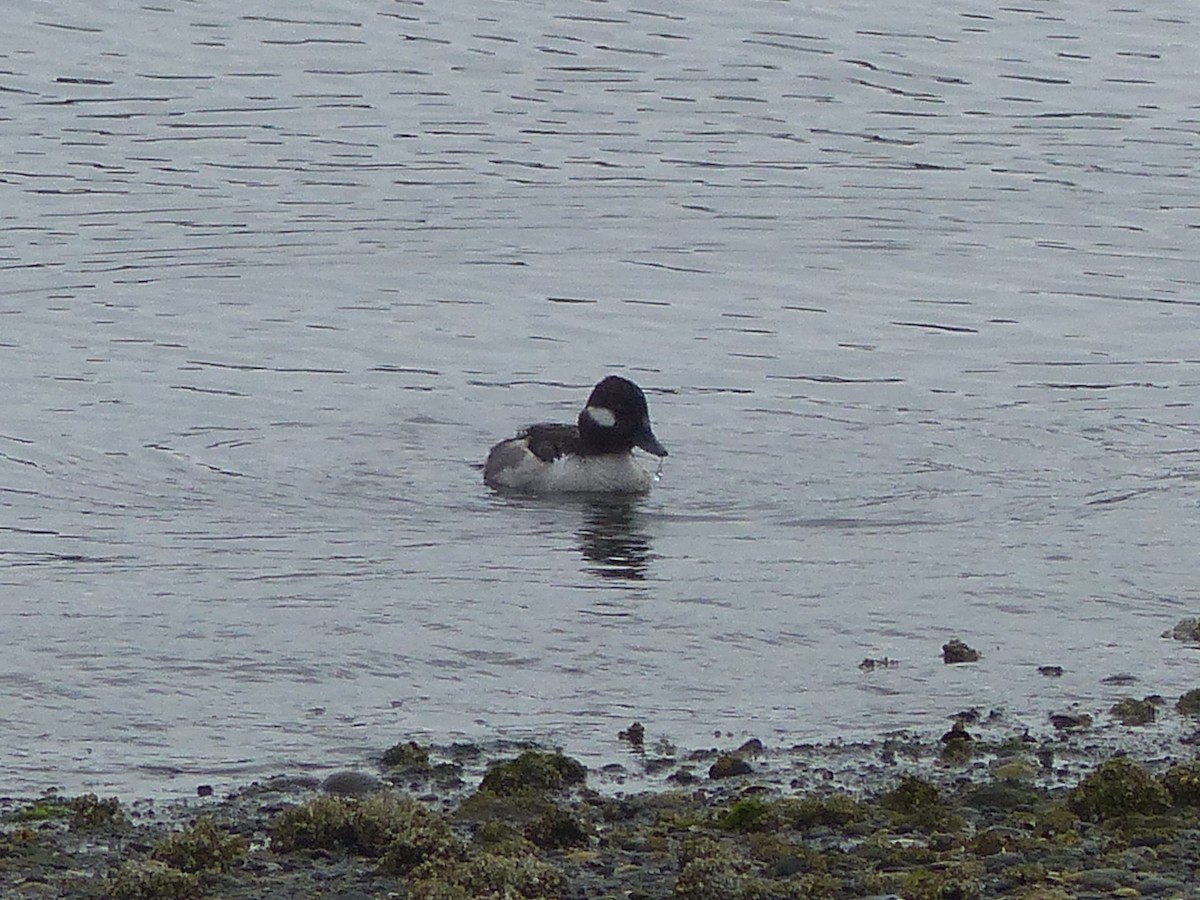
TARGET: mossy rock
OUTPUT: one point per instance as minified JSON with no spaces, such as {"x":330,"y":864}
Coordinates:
{"x":1130,"y":711}
{"x":533,"y":771}
{"x":1189,"y":703}
{"x":1185,"y":630}
{"x":919,"y":803}
{"x":41,"y":810}
{"x":728,"y":765}
{"x":487,"y":875}
{"x":956,"y":651}
{"x":151,"y":880}
{"x":406,"y":756}
{"x":1182,"y":782}
{"x":1002,"y":794}
{"x":1119,"y":787}
{"x":710,"y":879}
{"x":405,"y":833}
{"x":911,"y":795}
{"x":751,"y":814}
{"x":556,"y":829}
{"x":201,"y":848}
{"x":962,"y":881}
{"x":958,"y":750}
{"x":88,"y":813}
{"x":1058,"y":824}
{"x":502,"y":839}
{"x":834,"y":811}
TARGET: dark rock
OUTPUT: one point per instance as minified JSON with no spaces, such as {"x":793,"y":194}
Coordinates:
{"x":1189,"y":703}
{"x":635,"y":734}
{"x":349,"y":783}
{"x":728,"y":766}
{"x":752,"y":747}
{"x":1133,"y":712}
{"x":956,"y":651}
{"x":1184,"y":630}
{"x":1122,"y":679}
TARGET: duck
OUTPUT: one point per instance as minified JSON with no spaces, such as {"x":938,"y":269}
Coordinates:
{"x":593,"y":456}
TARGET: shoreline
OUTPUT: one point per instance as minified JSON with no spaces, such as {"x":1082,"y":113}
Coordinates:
{"x":983,"y":810}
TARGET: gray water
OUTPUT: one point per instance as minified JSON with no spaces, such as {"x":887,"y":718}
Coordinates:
{"x":913,"y":293}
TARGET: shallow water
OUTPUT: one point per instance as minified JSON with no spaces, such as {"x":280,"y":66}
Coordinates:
{"x":913,"y":297}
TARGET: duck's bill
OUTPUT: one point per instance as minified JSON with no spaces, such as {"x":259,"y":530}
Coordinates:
{"x":648,"y":442}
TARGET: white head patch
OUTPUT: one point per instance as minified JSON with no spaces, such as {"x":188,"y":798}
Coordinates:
{"x":601,"y":415}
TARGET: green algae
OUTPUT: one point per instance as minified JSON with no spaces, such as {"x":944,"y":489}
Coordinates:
{"x":556,"y":828}
{"x":729,"y":765}
{"x":1189,"y":703}
{"x":1131,"y":711}
{"x":406,"y":756}
{"x":41,"y":810}
{"x":752,"y":814}
{"x":917,"y":802}
{"x":401,"y":831}
{"x":832,"y":810}
{"x":1118,"y":787}
{"x":88,"y":813}
{"x":1182,"y":781}
{"x":502,"y":839}
{"x":487,"y":875}
{"x":533,"y":771}
{"x":201,"y":848}
{"x":151,"y":880}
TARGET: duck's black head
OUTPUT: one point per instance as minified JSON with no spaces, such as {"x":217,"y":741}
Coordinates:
{"x":616,"y":419}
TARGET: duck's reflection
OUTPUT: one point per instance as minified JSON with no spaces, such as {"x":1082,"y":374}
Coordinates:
{"x":612,"y":539}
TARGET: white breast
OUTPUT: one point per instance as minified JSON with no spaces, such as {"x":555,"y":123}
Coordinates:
{"x":613,"y":473}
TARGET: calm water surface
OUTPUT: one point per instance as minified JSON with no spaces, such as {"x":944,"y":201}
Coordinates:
{"x":913,"y":293}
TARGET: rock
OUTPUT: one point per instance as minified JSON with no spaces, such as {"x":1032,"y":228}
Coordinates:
{"x":1185,"y":630}
{"x":728,"y":766}
{"x":635,"y":734}
{"x":349,"y":783}
{"x":956,"y":651}
{"x":1066,"y":721}
{"x":1189,"y":703}
{"x":1133,"y":712}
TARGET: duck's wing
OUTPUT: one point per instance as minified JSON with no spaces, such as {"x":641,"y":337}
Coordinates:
{"x":550,"y":440}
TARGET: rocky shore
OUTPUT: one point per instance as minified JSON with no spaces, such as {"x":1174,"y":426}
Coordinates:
{"x":984,"y":810}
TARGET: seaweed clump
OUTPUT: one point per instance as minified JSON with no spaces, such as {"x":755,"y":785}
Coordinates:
{"x":1118,"y":787}
{"x":406,"y":756}
{"x":1182,"y":782}
{"x":751,"y":814}
{"x":531,"y":772}
{"x":88,"y":813}
{"x":729,"y":765}
{"x":1129,"y":711}
{"x":487,"y":875}
{"x":151,"y":880}
{"x":403,"y":832}
{"x":1189,"y":703}
{"x":202,"y":848}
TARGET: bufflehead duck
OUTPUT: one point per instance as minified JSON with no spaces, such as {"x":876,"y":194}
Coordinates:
{"x":590,"y":456}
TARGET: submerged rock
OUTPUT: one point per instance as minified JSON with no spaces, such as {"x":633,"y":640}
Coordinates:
{"x":956,"y":651}
{"x":1129,"y":711}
